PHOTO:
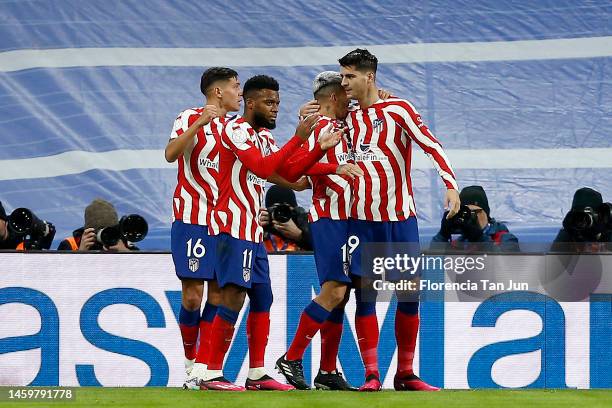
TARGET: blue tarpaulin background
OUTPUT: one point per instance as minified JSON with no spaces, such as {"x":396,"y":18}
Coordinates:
{"x":486,"y":103}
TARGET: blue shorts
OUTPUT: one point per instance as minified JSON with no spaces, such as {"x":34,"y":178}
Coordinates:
{"x":329,"y":241}
{"x":241,"y":262}
{"x":261,"y":269}
{"x":387,"y":237}
{"x":194,"y":252}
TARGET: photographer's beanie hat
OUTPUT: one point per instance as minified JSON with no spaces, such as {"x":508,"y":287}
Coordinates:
{"x":100,"y":214}
{"x":586,"y":197}
{"x":475,"y":195}
{"x":278,"y":194}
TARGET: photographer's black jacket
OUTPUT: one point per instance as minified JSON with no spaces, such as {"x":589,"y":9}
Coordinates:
{"x":301,"y":221}
{"x":566,"y":241}
{"x":495,"y":233}
{"x":11,"y":242}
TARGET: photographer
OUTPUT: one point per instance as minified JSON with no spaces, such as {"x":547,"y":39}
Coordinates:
{"x":474,"y":224}
{"x":7,"y":240}
{"x":100,"y":215}
{"x":285,"y":224}
{"x":588,"y":224}
{"x":23,"y":230}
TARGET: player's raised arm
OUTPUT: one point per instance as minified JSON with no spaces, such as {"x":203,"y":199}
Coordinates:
{"x":300,"y":163}
{"x":185,"y":128}
{"x":300,"y":185}
{"x":242,"y":144}
{"x":302,"y":159}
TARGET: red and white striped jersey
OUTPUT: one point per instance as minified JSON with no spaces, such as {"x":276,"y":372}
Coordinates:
{"x":331,"y":193}
{"x":381,"y":137}
{"x":196,"y":192}
{"x":241,"y":190}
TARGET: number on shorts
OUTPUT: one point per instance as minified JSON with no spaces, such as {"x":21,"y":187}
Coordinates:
{"x":247,"y":258}
{"x":197,"y":250}
{"x":349,"y":248}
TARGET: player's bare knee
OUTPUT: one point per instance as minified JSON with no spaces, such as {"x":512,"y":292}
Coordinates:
{"x":191,"y":301}
{"x":235,"y":303}
{"x":191,"y":294}
{"x":214,"y":296}
{"x":347,"y":296}
{"x":233,"y":297}
{"x":332,"y":294}
{"x":337,"y":295}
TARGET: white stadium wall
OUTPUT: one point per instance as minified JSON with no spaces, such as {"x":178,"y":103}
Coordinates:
{"x":110,"y":320}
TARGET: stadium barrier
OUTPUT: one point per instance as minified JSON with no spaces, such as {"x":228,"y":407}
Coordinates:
{"x":111,"y":320}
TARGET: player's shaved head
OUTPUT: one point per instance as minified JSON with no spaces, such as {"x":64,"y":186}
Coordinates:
{"x":213,"y":75}
{"x":258,"y":83}
{"x":361,"y":60}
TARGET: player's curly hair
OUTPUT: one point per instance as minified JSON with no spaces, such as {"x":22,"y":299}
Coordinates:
{"x":259,"y":82}
{"x":214,"y":74}
{"x":361,"y":59}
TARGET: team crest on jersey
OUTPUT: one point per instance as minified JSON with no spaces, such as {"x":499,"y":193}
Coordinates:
{"x":246,"y":274}
{"x":239,"y":135}
{"x":345,"y":268}
{"x":377,"y":125}
{"x":194,"y":264}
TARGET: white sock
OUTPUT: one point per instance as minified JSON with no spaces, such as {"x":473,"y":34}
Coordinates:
{"x":210,"y":374}
{"x":189,"y":365}
{"x":198,"y":370}
{"x":256,"y":373}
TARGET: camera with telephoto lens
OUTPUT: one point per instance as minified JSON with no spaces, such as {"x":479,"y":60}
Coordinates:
{"x":460,"y":222}
{"x":131,"y":228}
{"x":589,"y":221}
{"x":281,"y":212}
{"x":36,"y":233}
